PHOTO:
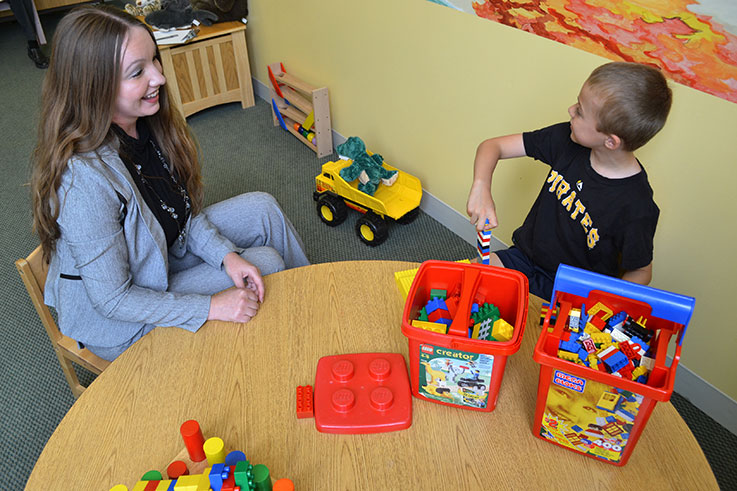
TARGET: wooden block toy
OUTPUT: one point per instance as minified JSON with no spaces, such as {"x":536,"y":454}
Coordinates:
{"x":297,"y":102}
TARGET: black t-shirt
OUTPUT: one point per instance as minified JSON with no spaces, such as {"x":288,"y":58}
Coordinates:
{"x":157,"y":188}
{"x":581,"y":218}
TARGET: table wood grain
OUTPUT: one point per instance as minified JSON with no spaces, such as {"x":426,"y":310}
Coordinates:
{"x":239,"y":382}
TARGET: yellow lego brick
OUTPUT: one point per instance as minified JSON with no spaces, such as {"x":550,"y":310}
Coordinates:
{"x":638,"y":371}
{"x":431,"y":326}
{"x":565,"y":355}
{"x":600,"y":307}
{"x":502,"y":330}
{"x":601,"y":337}
{"x":404,"y":280}
{"x":590,"y":329}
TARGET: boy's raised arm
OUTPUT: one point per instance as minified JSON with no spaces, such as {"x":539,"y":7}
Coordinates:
{"x":480,"y":206}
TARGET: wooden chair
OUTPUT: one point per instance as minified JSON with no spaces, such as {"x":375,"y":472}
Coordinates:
{"x":33,"y":271}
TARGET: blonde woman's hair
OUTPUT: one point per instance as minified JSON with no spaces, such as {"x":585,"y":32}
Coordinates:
{"x":78,"y":103}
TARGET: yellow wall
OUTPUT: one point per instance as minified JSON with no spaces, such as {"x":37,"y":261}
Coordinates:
{"x":423,"y":85}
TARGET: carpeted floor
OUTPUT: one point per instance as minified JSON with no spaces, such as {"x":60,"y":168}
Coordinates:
{"x":242,"y":152}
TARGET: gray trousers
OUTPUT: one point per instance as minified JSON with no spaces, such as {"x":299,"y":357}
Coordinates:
{"x":253,"y":222}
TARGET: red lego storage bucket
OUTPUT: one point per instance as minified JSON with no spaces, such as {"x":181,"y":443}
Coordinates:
{"x":447,"y":366}
{"x":601,"y":409}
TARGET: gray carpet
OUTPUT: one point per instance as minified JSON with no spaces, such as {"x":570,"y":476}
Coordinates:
{"x":242,"y":152}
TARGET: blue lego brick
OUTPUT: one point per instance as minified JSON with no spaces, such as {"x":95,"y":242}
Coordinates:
{"x":576,"y":428}
{"x":616,"y":361}
{"x":570,"y":346}
{"x":434,"y":304}
{"x":216,"y":477}
{"x":583,"y":355}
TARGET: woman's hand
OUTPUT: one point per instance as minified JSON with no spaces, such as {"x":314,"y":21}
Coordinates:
{"x":244,"y":274}
{"x":233,"y":305}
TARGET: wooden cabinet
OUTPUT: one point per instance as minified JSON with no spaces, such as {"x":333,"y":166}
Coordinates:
{"x":210,"y":69}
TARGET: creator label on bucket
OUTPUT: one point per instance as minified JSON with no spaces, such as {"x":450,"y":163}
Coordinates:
{"x":454,"y":376}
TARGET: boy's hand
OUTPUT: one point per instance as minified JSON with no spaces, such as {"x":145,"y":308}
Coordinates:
{"x":481,"y":208}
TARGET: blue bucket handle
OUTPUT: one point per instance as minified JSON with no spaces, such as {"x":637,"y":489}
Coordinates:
{"x":665,"y":305}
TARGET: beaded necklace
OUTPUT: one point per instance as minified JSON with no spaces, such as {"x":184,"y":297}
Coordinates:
{"x":177,"y":187}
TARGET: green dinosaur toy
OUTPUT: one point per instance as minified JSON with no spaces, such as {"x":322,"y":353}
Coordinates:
{"x":368,"y":169}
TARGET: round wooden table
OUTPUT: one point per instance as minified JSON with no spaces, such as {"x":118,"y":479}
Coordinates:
{"x":239,"y":382}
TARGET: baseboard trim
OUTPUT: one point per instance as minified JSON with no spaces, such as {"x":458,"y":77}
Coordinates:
{"x":717,"y":405}
{"x":712,"y":401}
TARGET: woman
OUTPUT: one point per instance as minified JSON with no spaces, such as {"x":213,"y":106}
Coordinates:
{"x":117,"y":198}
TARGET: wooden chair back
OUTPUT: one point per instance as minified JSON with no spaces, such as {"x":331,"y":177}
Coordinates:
{"x":33,"y":271}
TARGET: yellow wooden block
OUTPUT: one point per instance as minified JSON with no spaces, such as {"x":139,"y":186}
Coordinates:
{"x":164,"y":485}
{"x":119,"y":487}
{"x":214,"y":450}
{"x":140,"y":486}
{"x":431,"y":326}
{"x":194,"y":482}
{"x":502,"y":330}
{"x":309,"y":121}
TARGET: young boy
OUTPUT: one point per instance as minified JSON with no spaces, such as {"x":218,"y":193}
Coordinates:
{"x":595,"y":209}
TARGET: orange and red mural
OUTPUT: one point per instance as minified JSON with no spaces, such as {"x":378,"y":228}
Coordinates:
{"x":694,"y":41}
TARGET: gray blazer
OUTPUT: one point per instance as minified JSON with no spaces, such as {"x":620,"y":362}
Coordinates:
{"x":109,"y":274}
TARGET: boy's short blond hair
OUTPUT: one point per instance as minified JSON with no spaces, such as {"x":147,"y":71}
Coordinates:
{"x":635,"y":101}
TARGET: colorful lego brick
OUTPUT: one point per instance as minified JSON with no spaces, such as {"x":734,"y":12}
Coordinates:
{"x":619,"y":336}
{"x":600,"y":307}
{"x":567,"y":355}
{"x":434,"y":304}
{"x":193,"y":440}
{"x":438,"y":315}
{"x":404,"y":281}
{"x":438,"y":293}
{"x":431,"y":326}
{"x":216,"y":476}
{"x":486,"y":311}
{"x":304,"y":402}
{"x":597,"y":322}
{"x":362,"y":393}
{"x":243,"y":475}
{"x":214,"y":450}
{"x":483,"y":245}
{"x":588,"y":345}
{"x":502,"y":330}
{"x":613,"y":358}
{"x":483,"y":330}
{"x":574,"y":320}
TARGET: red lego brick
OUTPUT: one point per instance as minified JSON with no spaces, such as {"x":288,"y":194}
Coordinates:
{"x":304,"y":402}
{"x":362,"y":393}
